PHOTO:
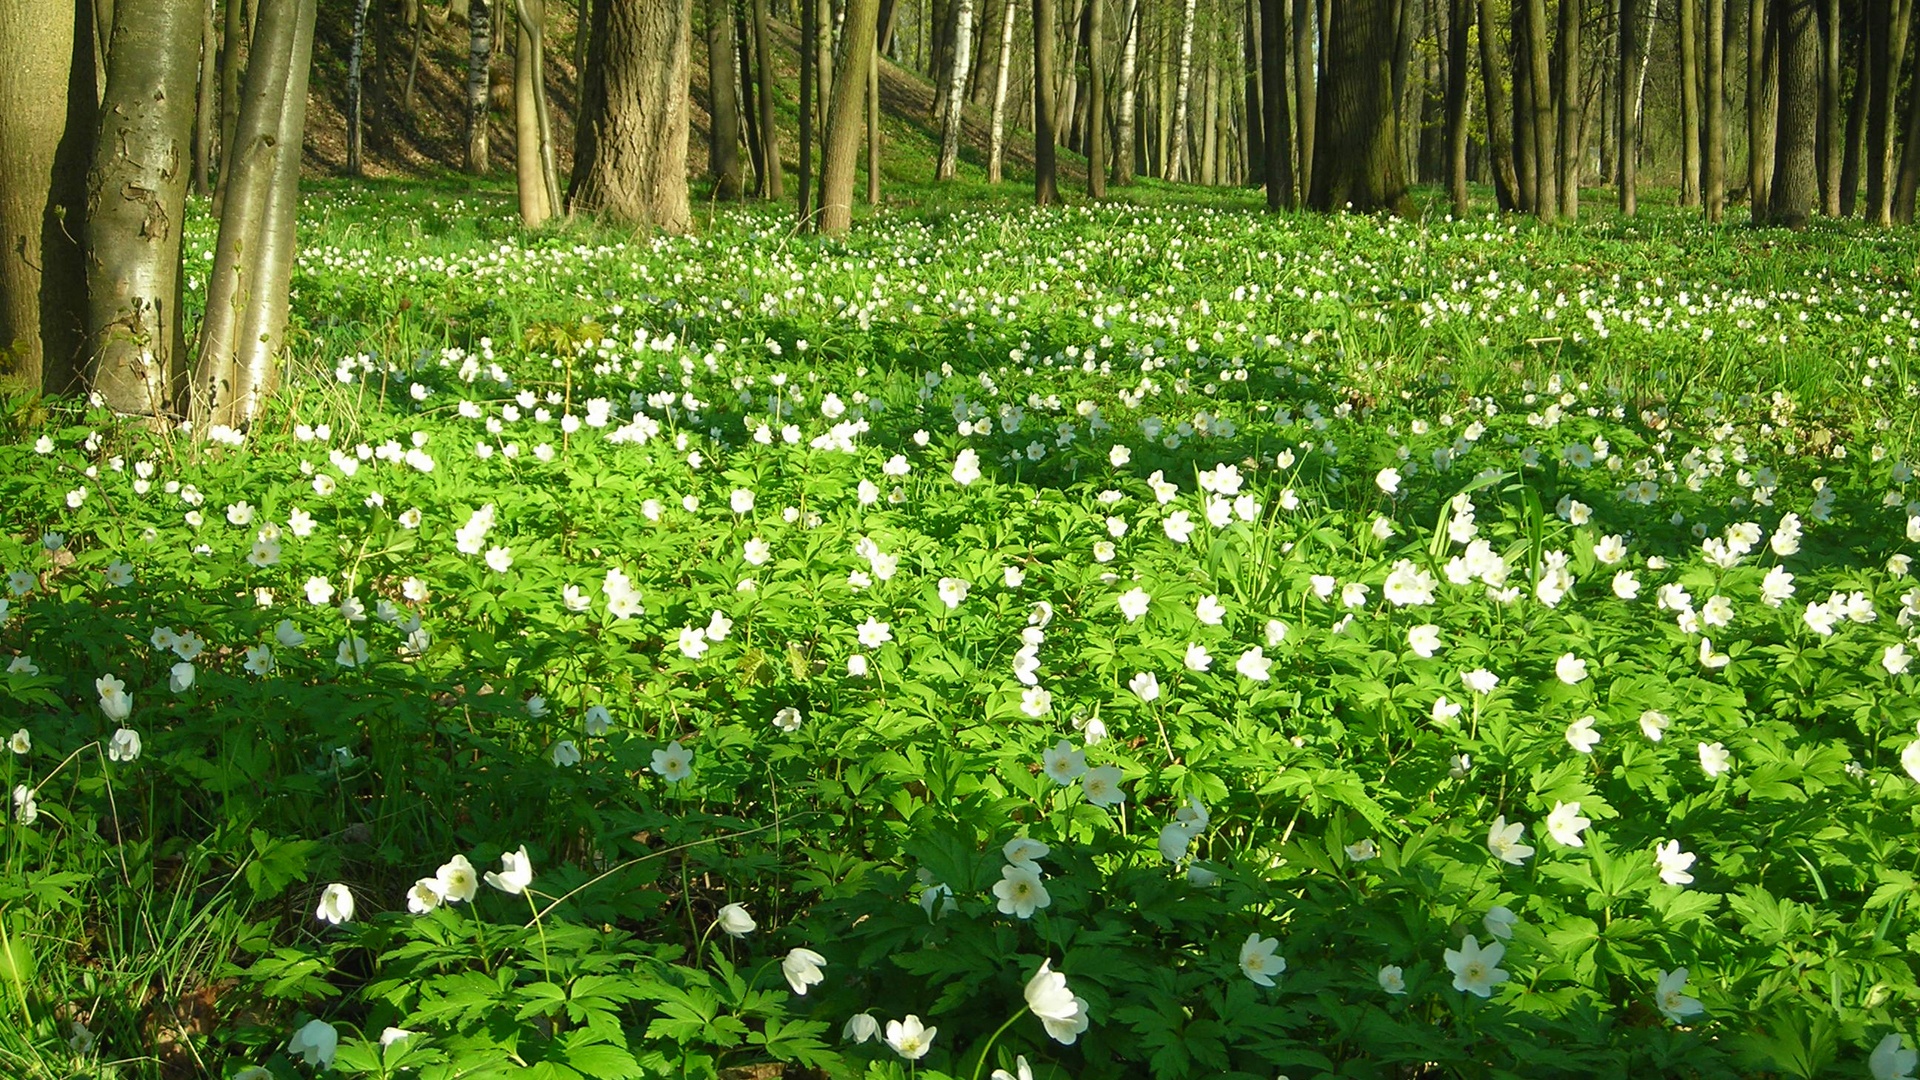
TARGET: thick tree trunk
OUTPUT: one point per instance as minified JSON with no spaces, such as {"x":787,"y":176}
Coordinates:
{"x":1046,"y":182}
{"x":1306,"y":107}
{"x":1494,"y":92}
{"x":630,"y":156}
{"x":1572,"y":97}
{"x":206,"y":115}
{"x":1459,"y":31}
{"x":246,"y":317}
{"x":1129,"y":95}
{"x":723,"y":127}
{"x":48,"y":120}
{"x":1182,"y":90}
{"x":1827,"y":140}
{"x":1541,"y":112}
{"x":1760,"y":107}
{"x":997,"y":128}
{"x":840,"y":155}
{"x":1796,"y":184}
{"x":1357,"y":159}
{"x":537,"y":178}
{"x":136,"y":202}
{"x":1097,"y":148}
{"x":1714,"y":182}
{"x":1278,"y":167}
{"x":773,"y":179}
{"x":955,"y":88}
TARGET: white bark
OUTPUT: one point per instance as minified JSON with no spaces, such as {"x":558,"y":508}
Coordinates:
{"x":1177,"y":161}
{"x":956,"y":92}
{"x":997,"y":137}
{"x":1129,"y":89}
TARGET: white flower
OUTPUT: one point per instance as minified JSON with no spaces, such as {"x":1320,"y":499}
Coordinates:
{"x":1145,"y":686}
{"x":1174,"y":840}
{"x":499,"y":559}
{"x":953,"y":592}
{"x":966,"y":468}
{"x":1480,"y":680}
{"x":566,"y":754}
{"x":788,"y":719}
{"x":1653,"y":724}
{"x":734,"y":919}
{"x":861,"y":1027}
{"x":115,"y":702}
{"x":457,"y":882}
{"x":1362,"y":850}
{"x":21,"y":742}
{"x":1254,"y":665}
{"x":1021,"y":1070}
{"x":1565,"y":824}
{"x":1102,"y":786}
{"x":1133,"y":603}
{"x":336,"y":905}
{"x":1476,"y":970}
{"x":315,"y":1044}
{"x":673,"y":763}
{"x":125,"y":745}
{"x":516,"y":872}
{"x":1712,"y":661}
{"x":1570,"y":669}
{"x":1209,"y":610}
{"x":25,"y":809}
{"x":1581,"y":736}
{"x":1910,"y":760}
{"x":1671,"y":998}
{"x":909,"y":1038}
{"x":1424,"y":640}
{"x":1197,"y":658}
{"x":1500,"y":921}
{"x":1673,"y":863}
{"x":1715,"y":759}
{"x":802,"y":969}
{"x":1388,"y":480}
{"x":1393,"y":980}
{"x":391,"y":1035}
{"x":1061,"y":1011}
{"x":1896,"y":659}
{"x":1020,"y":891}
{"x":1036,"y":701}
{"x":1503,"y":840}
{"x":1409,"y":586}
{"x":1892,"y":1061}
{"x":1063,"y":763}
{"x":1625,"y":585}
{"x":756,"y":552}
{"x":1259,"y":960}
{"x":693,"y":642}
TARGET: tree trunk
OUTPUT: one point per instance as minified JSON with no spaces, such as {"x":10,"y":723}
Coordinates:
{"x":1357,"y":159}
{"x":840,"y":154}
{"x":1525,"y":146}
{"x":1889,"y":22}
{"x":630,"y":152}
{"x":808,"y":80}
{"x":246,"y":316}
{"x":48,"y":120}
{"x":1689,"y":14}
{"x":873,"y":122}
{"x":1714,"y":195}
{"x":772,"y":181}
{"x":1046,"y":183}
{"x":997,"y":128}
{"x":233,"y":53}
{"x":479,"y":84}
{"x":749,"y":110}
{"x":1129,"y":94}
{"x":1459,"y":30}
{"x":1541,"y":112}
{"x":1494,"y":91}
{"x":1827,"y":142}
{"x":356,"y":50}
{"x":1760,"y":97}
{"x":1207,"y":136}
{"x":1097,"y":148}
{"x":723,"y":125}
{"x":1856,"y":135}
{"x":1182,"y":89}
{"x":1571,"y":98}
{"x":1796,"y":184}
{"x":1250,"y":70}
{"x":1278,"y":168}
{"x":1306,"y":108}
{"x":1909,"y":176}
{"x":1627,"y":101}
{"x":206,"y":108}
{"x":823,"y":65}
{"x":955,"y":89}
{"x":532,"y":134}
{"x":136,"y":203}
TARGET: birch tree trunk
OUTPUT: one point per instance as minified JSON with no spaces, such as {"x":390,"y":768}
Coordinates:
{"x":997,"y":128}
{"x":479,"y":83}
{"x":956,"y":91}
{"x":1129,"y":95}
{"x":1182,"y":90}
{"x":355,"y":51}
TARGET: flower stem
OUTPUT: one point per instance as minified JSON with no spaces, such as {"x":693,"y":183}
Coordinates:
{"x":994,"y":1038}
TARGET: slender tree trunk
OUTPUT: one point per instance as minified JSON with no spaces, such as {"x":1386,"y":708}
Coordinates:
{"x":956,"y":90}
{"x":1278,"y":167}
{"x":1097,"y":148}
{"x":206,"y":110}
{"x":233,"y":54}
{"x":1204,"y":135}
{"x":247,"y":292}
{"x":1540,"y":104}
{"x":1358,"y":156}
{"x":1494,"y":92}
{"x":136,"y":202}
{"x":1795,"y":170}
{"x":1760,"y":74}
{"x":1571,"y":108}
{"x":723,"y":126}
{"x":630,"y":150}
{"x":1525,"y":146}
{"x":1628,"y":154}
{"x":997,"y":128}
{"x":823,"y":64}
{"x":749,"y":108}
{"x":808,"y":80}
{"x":1183,"y":87}
{"x":479,"y":84}
{"x":873,"y":122}
{"x":1856,"y":135}
{"x":1067,"y":85}
{"x":1689,"y":13}
{"x":48,"y":120}
{"x":772,"y":181}
{"x":1714,"y":195}
{"x":356,"y":51}
{"x":840,"y":154}
{"x":1609,"y":68}
{"x":1046,"y":182}
{"x":1306,"y":99}
{"x":1250,"y":72}
{"x":1890,"y":22}
{"x":1908,"y":180}
{"x":533,"y":142}
{"x":1827,"y":140}
{"x":1129,"y":95}
{"x":1459,"y":31}
{"x":413,"y":60}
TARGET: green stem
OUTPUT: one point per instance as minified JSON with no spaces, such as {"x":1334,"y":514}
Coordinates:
{"x":994,"y":1038}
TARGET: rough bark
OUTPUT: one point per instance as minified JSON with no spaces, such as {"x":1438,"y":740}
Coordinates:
{"x":1129,"y":95}
{"x":1796,"y":185}
{"x":1494,"y":92}
{"x":1540,"y":112}
{"x":630,"y":153}
{"x":479,"y":83}
{"x":1459,"y":30}
{"x":955,"y":88}
{"x":246,"y":317}
{"x":1278,"y":167}
{"x":1572,"y":97}
{"x":537,"y":179}
{"x":1713,"y":194}
{"x":48,"y":120}
{"x":997,"y":127}
{"x":1760,"y":98}
{"x":1827,"y":139}
{"x":136,"y":203}
{"x":356,"y":50}
{"x":773,"y":178}
{"x":723,"y":130}
{"x":1357,"y":159}
{"x":844,"y":120}
{"x":1046,"y":181}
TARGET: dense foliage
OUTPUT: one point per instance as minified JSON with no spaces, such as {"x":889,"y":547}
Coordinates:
{"x":1334,"y":646}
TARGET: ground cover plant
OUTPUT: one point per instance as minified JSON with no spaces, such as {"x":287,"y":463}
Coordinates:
{"x":1133,"y":641}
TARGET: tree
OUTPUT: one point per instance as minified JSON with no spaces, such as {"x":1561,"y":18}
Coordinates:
{"x":1689,"y":103}
{"x":1540,"y":113}
{"x":1796,"y":185}
{"x":356,"y":53}
{"x":1887,"y":26}
{"x":1629,"y":103}
{"x":997,"y":126}
{"x":206,"y":117}
{"x":1459,"y":29}
{"x":838,"y":156}
{"x":1827,"y":137}
{"x":479,"y":83}
{"x":1182,"y":92}
{"x":246,"y":316}
{"x":1357,"y":154}
{"x":723,"y":129}
{"x":630,"y":151}
{"x":1499,"y":130}
{"x":1760,"y":98}
{"x":955,"y":89}
{"x":1046,"y":182}
{"x":1714,"y":177}
{"x":535,"y":170}
{"x":1129,"y":94}
{"x":1273,"y":102}
{"x":1305,"y":87}
{"x":1096,"y":99}
{"x":772,"y":178}
{"x":136,"y":207}
{"x":1571,"y":110}
{"x":48,"y":116}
